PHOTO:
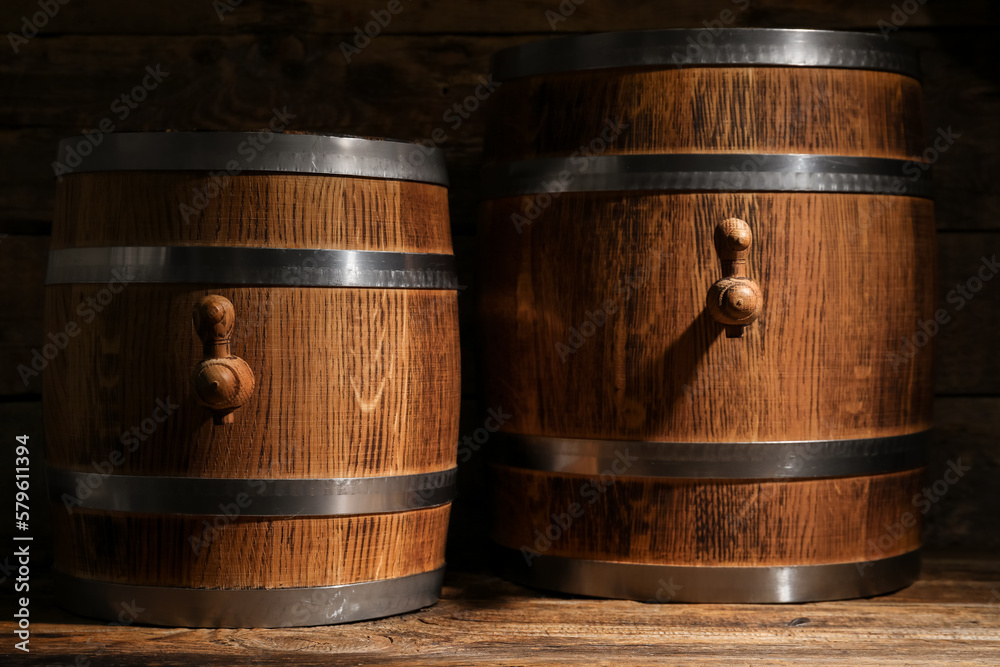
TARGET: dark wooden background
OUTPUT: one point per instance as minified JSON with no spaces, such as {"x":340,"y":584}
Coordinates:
{"x":229,"y":71}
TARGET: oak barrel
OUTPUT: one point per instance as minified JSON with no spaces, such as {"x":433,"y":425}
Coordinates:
{"x":253,"y":423}
{"x":708,"y":256}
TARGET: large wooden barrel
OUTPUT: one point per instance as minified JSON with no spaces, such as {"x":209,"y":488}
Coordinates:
{"x":253,"y":421}
{"x":708,"y":259}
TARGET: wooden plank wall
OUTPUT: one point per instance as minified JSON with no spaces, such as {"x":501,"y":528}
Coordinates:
{"x":230,"y":62}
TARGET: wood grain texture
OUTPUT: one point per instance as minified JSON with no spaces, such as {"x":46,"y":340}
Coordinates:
{"x":603,"y":312}
{"x":965,"y":362}
{"x":708,"y":110}
{"x":740,"y":523}
{"x":506,"y":16}
{"x":957,"y":77}
{"x":248,"y":552}
{"x":22,"y":275}
{"x":399,"y":85}
{"x":844,"y":279}
{"x":945,"y":619}
{"x":276,"y":210}
{"x":968,"y":512}
{"x":329,"y":382}
{"x":349,"y":382}
{"x":402,"y":86}
{"x":965,"y":516}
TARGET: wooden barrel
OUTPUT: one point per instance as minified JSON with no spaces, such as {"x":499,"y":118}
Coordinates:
{"x":253,"y":421}
{"x":708,"y":279}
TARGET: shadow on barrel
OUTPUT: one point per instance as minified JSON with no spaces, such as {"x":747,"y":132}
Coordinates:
{"x":675,"y":369}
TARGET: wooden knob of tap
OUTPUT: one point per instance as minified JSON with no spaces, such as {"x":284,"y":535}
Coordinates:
{"x":214,"y":318}
{"x":222,"y":381}
{"x":734,"y":300}
{"x":733,"y":239}
{"x":223,"y":384}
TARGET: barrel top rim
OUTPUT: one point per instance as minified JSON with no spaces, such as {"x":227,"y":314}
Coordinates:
{"x":253,"y":151}
{"x":669,"y":47}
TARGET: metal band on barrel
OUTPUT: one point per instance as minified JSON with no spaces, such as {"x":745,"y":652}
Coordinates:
{"x":237,"y":152}
{"x":685,"y":583}
{"x":724,"y":47}
{"x":249,"y":608}
{"x":253,"y":497}
{"x":717,"y":460}
{"x":727,"y":172}
{"x":252,"y":266}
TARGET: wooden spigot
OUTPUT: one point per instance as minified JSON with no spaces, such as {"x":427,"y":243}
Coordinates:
{"x":734,"y":300}
{"x":222,"y":381}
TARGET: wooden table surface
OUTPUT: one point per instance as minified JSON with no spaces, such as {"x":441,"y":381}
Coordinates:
{"x":950,"y":617}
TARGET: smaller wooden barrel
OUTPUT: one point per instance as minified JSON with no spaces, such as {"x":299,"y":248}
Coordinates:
{"x":253,"y":422}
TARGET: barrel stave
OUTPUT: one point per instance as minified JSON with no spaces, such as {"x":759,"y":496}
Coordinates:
{"x":618,"y":309}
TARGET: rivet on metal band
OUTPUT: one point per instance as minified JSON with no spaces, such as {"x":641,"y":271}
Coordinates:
{"x":686,"y":583}
{"x":237,"y":152}
{"x":723,"y":47}
{"x":259,"y":497}
{"x":724,"y":172}
{"x":223,"y":265}
{"x":718,"y":460}
{"x":249,"y":608}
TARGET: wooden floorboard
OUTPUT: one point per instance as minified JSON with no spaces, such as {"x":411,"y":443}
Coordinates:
{"x":951,"y":616}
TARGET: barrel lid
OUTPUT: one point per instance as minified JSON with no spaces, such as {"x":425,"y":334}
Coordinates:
{"x":265,"y":151}
{"x":679,"y":47}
